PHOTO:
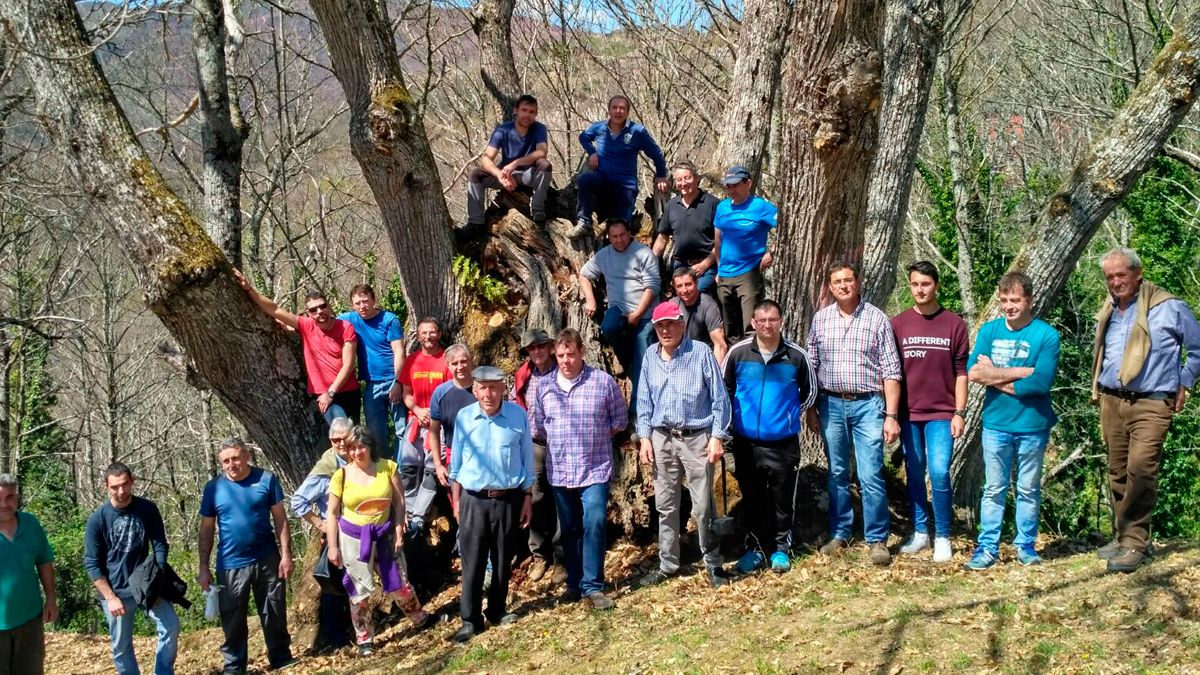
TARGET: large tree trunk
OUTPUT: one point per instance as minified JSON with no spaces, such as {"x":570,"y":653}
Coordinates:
{"x":961,"y":172}
{"x":754,"y":85}
{"x":387,"y":137}
{"x":492,"y":23}
{"x":1099,"y":182}
{"x":911,"y":40}
{"x":831,"y":91}
{"x":253,"y":366}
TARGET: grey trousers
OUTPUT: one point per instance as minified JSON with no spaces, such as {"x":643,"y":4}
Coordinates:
{"x":544,"y":525}
{"x":270,"y":596}
{"x":676,"y":461}
{"x":417,"y":476}
{"x":536,"y":176}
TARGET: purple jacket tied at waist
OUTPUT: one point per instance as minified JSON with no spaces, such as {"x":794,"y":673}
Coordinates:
{"x":370,"y":536}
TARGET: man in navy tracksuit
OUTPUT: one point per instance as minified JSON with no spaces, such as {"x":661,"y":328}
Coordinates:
{"x":771,"y":383}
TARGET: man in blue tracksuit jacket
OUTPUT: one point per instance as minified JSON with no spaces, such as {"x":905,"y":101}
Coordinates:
{"x":611,"y":186}
{"x":771,"y":384}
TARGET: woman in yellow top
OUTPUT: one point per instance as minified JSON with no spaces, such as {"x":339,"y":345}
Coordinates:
{"x":363,"y":496}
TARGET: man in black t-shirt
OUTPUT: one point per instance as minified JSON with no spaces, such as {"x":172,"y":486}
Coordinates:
{"x":701,"y":313}
{"x":688,"y":219}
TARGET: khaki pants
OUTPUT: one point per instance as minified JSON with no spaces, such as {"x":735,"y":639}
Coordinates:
{"x":676,"y":461}
{"x":1134,"y":432}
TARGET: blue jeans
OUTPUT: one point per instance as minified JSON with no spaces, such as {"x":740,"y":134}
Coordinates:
{"x":344,"y":404}
{"x":1000,"y":448}
{"x":629,"y":343}
{"x":857,"y":424}
{"x":377,"y":407}
{"x":120,"y":629}
{"x":927,"y":447}
{"x":705,"y":283}
{"x":610,"y":199}
{"x":583,"y":517}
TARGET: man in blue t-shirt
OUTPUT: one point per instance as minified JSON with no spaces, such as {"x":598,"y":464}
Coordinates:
{"x":448,"y":398}
{"x":242,"y":503}
{"x":742,"y":223}
{"x":611,"y":184}
{"x":380,"y":358}
{"x":121,"y":535}
{"x":1016,"y":358}
{"x":520,"y":143}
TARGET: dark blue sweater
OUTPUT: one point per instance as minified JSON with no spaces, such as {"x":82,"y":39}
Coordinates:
{"x":116,"y":541}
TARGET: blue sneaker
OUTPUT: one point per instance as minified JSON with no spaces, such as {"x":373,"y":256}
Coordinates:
{"x":780,"y":562}
{"x":981,"y":560}
{"x":750,"y":561}
{"x":1026,"y":555}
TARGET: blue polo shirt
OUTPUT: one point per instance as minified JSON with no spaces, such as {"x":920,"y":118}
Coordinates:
{"x":744,"y":228}
{"x":619,"y":152}
{"x":20,"y":587}
{"x":243,"y":512}
{"x":375,"y":355}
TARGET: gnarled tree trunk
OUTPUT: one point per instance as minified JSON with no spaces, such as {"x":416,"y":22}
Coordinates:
{"x":253,"y":366}
{"x":492,"y":23}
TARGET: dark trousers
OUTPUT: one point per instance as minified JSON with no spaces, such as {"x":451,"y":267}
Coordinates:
{"x":344,"y":404}
{"x":766,"y":474}
{"x":23,"y":649}
{"x":1134,"y":432}
{"x":738,"y":296}
{"x":544,"y":525}
{"x":333,"y":612}
{"x":270,"y":596}
{"x":487,"y":529}
{"x":608,"y":198}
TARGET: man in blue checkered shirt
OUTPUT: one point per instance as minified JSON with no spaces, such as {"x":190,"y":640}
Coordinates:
{"x":858,"y":370}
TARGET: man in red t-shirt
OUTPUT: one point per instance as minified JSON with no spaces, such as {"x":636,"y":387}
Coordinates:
{"x":933,"y":355}
{"x":423,"y":371}
{"x":329,"y":348}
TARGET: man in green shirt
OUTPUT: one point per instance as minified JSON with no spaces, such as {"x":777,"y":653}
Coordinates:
{"x":25,"y":557}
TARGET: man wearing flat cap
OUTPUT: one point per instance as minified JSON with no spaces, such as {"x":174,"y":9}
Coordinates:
{"x":743,"y":221}
{"x":491,"y":474}
{"x":539,"y":347}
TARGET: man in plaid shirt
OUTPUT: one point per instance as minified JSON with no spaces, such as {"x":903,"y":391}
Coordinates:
{"x":854,"y":352}
{"x":578,"y":411}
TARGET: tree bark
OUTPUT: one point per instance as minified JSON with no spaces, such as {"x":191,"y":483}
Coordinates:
{"x":253,"y":366}
{"x":961,"y":173}
{"x":912,"y":37}
{"x":387,"y":137}
{"x":223,"y":130}
{"x":492,"y":23}
{"x":762,"y":41}
{"x":831,"y":90}
{"x":1095,"y":187}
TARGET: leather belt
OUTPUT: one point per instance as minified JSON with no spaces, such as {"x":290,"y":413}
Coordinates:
{"x":495,"y":494}
{"x":849,"y":395}
{"x":681,"y":433}
{"x":1131,"y":396}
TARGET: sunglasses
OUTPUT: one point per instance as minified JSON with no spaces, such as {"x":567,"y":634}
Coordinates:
{"x":316,"y":308}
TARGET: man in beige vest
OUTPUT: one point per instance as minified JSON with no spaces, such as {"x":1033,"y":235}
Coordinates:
{"x":1140,"y":378}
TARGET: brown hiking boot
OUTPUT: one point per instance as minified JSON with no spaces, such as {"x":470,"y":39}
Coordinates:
{"x":601,"y":601}
{"x":1109,"y":550}
{"x":1127,"y":560}
{"x":537,"y":568}
{"x":833,"y":546}
{"x":880,"y":555}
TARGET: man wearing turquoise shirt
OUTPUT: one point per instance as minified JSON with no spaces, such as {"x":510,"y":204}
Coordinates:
{"x":25,"y":558}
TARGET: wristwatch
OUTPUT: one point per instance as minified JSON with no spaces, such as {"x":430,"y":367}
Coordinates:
{"x":894,"y":416}
{"x":961,"y":413}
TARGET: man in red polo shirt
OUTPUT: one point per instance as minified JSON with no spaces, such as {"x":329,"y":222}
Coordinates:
{"x":423,"y":371}
{"x":329,"y":346}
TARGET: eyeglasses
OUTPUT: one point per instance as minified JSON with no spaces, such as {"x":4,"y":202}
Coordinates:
{"x":316,"y":308}
{"x":338,"y":439}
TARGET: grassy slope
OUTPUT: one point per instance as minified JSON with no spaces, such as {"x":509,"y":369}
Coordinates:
{"x":839,"y":615}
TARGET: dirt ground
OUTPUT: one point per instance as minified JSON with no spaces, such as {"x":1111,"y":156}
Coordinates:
{"x":838,"y":615}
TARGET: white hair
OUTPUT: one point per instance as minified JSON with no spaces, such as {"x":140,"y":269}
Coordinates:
{"x":1132,"y":259}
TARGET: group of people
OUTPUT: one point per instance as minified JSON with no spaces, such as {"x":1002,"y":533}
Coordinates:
{"x":526,"y":466}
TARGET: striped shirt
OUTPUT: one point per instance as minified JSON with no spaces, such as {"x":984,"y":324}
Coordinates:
{"x":578,"y":426}
{"x":687,"y":392}
{"x":855,"y":354}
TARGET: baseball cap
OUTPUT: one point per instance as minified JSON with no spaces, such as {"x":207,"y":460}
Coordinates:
{"x":666,"y":311}
{"x":736,"y":174}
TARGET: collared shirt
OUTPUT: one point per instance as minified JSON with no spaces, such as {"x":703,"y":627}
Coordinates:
{"x":687,"y":392}
{"x":690,"y":226}
{"x":1173,"y":328}
{"x":313,"y":492}
{"x":525,"y":381}
{"x":855,"y":354}
{"x":578,"y":427}
{"x":492,"y":452}
{"x":19,"y":582}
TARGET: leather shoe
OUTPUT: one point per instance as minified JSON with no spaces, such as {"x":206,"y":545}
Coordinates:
{"x":1127,"y":560}
{"x":833,"y":546}
{"x":537,"y":568}
{"x":465,"y":633}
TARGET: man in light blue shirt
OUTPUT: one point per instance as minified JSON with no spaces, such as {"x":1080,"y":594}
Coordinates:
{"x":380,"y":357}
{"x":1147,"y":357}
{"x":492,"y":475}
{"x":742,"y":223}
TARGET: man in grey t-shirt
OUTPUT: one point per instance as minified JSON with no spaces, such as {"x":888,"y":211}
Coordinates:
{"x":631,"y":282}
{"x":701,"y":313}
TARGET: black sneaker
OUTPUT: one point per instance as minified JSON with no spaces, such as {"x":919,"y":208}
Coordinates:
{"x":717,"y":577}
{"x":653,"y":578}
{"x":465,"y":633}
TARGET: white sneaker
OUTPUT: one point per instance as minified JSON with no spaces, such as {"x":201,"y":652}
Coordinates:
{"x":941,"y":549}
{"x":919,"y":541}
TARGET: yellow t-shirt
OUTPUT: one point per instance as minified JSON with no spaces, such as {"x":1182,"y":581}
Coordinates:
{"x":368,"y":504}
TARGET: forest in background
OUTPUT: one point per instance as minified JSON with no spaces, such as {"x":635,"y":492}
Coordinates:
{"x":1020,"y":91}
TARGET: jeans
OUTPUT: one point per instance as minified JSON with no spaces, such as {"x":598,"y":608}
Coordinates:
{"x":610,"y":199}
{"x":120,"y":629}
{"x":705,"y":283}
{"x":629,"y":343}
{"x":377,"y":407}
{"x":927,"y":447}
{"x":857,"y":424}
{"x":583,"y":515}
{"x":1000,"y":448}
{"x":344,"y":404}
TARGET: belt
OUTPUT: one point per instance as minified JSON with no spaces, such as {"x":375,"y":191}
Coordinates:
{"x":849,"y":395}
{"x":495,"y":494}
{"x":681,"y":433}
{"x":1131,"y":396}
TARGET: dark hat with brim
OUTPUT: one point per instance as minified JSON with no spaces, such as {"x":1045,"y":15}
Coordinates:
{"x":534,"y":336}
